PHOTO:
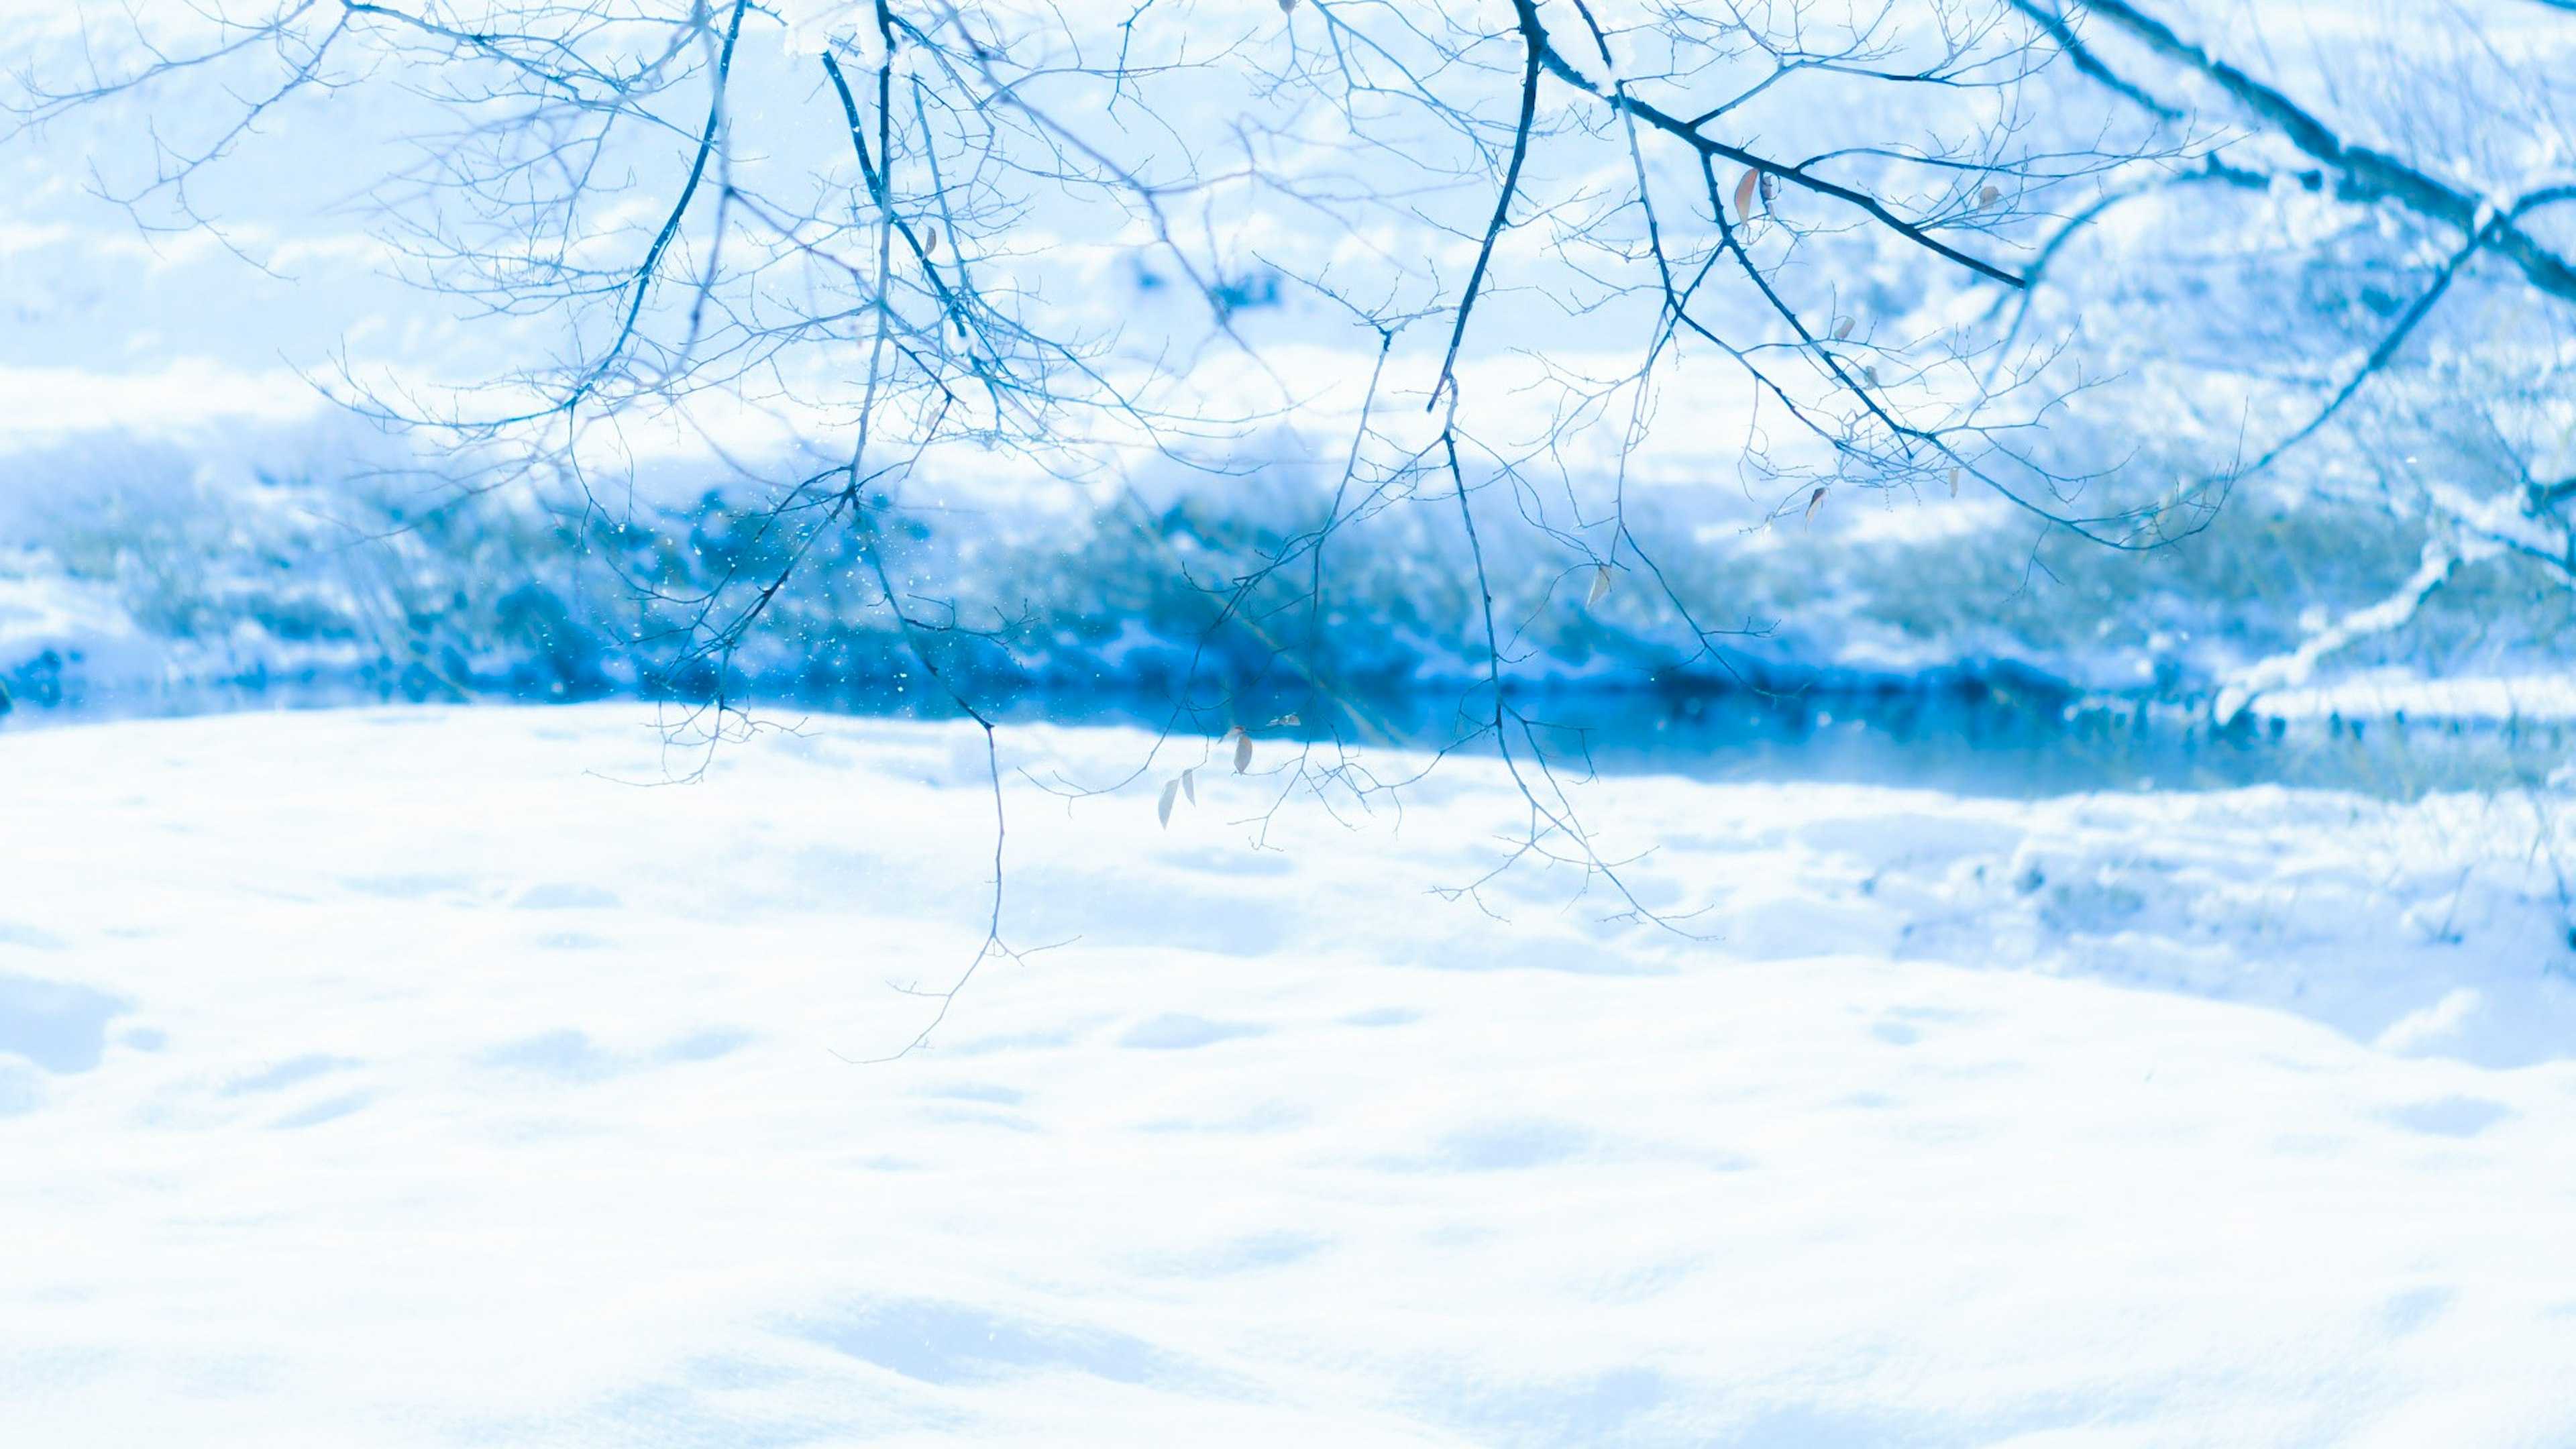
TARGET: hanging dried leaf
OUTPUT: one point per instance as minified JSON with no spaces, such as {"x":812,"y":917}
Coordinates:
{"x":1286,"y":721}
{"x":1989,"y":197}
{"x":1744,"y":194}
{"x":1770,"y":189}
{"x":1242,"y":752}
{"x":1190,"y":784}
{"x":1815,"y":500}
{"x":930,"y":242}
{"x":1163,"y":810}
{"x":1954,"y":482}
{"x":1600,"y":586}
{"x":1870,"y":371}
{"x":1842,"y":329}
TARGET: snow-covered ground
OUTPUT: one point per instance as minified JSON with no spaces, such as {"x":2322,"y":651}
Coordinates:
{"x":402,"y":1078}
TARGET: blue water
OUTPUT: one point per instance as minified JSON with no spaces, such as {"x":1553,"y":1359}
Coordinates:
{"x":2011,"y":738}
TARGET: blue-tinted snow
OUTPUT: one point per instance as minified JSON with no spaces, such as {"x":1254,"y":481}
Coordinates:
{"x":58,"y":1025}
{"x":2092,"y":1121}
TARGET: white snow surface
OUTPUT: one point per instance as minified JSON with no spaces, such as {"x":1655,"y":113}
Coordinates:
{"x":416,"y":1077}
{"x":2377,"y":694}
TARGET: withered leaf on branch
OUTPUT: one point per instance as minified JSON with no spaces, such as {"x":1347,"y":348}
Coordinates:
{"x":1600,"y":586}
{"x":1815,"y":501}
{"x":1745,"y":191}
{"x":1163,"y":809}
{"x":1954,"y":482}
{"x":1842,"y":329}
{"x":1190,"y":784}
{"x":1242,"y":752}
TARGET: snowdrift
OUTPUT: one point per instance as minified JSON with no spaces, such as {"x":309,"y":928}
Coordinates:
{"x":425,"y":1077}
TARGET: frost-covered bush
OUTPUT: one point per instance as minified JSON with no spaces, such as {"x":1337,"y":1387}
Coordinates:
{"x":399,"y":583}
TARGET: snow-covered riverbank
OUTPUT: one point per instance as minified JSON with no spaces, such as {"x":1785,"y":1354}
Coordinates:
{"x":413,"y":1077}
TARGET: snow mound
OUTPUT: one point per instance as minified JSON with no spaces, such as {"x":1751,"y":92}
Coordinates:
{"x":442,"y":1077}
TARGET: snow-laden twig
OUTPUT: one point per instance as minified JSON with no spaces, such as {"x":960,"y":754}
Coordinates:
{"x":2502,"y":521}
{"x":2288,"y":671}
